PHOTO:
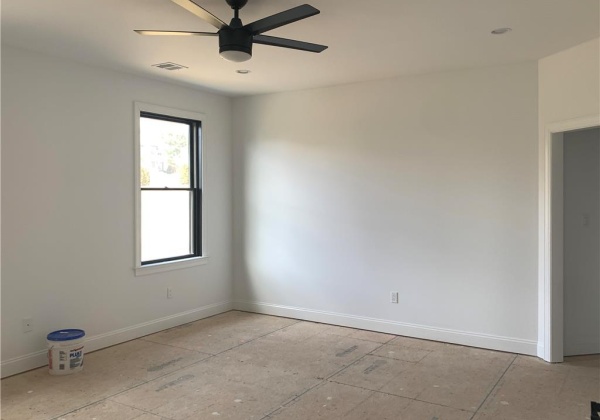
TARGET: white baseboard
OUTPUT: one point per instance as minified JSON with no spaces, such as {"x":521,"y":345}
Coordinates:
{"x":39,"y":358}
{"x":541,"y":351}
{"x":487,"y":341}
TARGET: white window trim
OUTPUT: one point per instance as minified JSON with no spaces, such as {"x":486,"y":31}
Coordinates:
{"x":140,"y":269}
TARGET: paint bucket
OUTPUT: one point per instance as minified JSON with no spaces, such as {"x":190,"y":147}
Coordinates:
{"x":65,"y":351}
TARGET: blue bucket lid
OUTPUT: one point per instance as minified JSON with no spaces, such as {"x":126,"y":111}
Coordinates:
{"x":65,"y":335}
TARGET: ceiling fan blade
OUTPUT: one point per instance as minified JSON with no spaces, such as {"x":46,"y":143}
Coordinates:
{"x":279,"y":19}
{"x":174,"y":33}
{"x":202,"y":13}
{"x":288,"y":43}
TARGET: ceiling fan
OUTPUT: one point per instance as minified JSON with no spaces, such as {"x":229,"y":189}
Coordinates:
{"x":236,"y":39}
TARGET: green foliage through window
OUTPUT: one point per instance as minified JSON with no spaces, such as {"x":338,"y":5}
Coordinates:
{"x":184,"y":174}
{"x":145,"y":177}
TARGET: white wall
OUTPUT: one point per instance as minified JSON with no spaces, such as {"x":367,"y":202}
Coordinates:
{"x":426,"y":185}
{"x":569,"y":83}
{"x":582,"y":242}
{"x":68,"y":207}
{"x":569,"y":90}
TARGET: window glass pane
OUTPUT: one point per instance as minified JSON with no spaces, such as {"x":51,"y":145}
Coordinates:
{"x":164,"y":154}
{"x":166,"y":224}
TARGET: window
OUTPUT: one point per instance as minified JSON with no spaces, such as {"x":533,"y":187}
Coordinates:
{"x":169,"y":187}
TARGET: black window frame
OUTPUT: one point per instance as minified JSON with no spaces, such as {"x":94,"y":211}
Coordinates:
{"x":195,"y":188}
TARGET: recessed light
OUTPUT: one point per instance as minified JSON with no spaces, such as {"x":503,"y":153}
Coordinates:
{"x":501,"y":31}
{"x":243,"y":71}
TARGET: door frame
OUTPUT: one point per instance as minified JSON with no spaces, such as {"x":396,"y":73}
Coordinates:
{"x":550,"y":282}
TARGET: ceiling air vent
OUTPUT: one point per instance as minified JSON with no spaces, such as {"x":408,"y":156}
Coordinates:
{"x":169,"y":66}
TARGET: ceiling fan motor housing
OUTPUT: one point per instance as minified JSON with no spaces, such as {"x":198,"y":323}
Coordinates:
{"x":235,"y":38}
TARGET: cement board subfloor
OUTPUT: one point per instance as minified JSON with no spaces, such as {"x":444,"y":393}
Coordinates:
{"x":240,"y":365}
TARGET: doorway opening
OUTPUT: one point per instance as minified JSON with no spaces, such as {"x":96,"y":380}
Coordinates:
{"x":556,"y":314}
{"x":581,"y":244}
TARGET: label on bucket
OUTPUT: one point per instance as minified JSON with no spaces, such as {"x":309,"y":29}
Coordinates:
{"x":65,"y":360}
{"x":62,"y":358}
{"x":76,"y":357}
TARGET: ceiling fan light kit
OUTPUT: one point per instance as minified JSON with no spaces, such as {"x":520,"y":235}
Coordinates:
{"x":236,"y":39}
{"x":235,"y":44}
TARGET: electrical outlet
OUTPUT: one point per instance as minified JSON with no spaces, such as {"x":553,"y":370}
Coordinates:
{"x":27,"y":324}
{"x":169,"y":293}
{"x":586,"y":219}
{"x":394,"y":297}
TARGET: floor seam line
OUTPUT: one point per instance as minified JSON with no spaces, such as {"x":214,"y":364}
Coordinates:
{"x":445,"y":406}
{"x":494,"y":387}
{"x":321,"y":382}
{"x":76,"y":409}
{"x":372,"y":390}
{"x":254,"y":339}
{"x":175,"y":347}
{"x":353,"y":363}
{"x":401,"y":396}
{"x":291,"y":400}
{"x":383,"y":357}
{"x":144,"y":411}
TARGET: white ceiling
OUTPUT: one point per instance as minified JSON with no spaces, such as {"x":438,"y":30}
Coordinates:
{"x":367,"y":39}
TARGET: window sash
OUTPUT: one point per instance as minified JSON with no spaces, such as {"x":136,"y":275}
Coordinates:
{"x":195,"y":165}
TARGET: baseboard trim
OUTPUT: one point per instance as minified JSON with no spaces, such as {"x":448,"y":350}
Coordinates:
{"x":487,"y":341}
{"x":39,"y":358}
{"x":541,"y":351}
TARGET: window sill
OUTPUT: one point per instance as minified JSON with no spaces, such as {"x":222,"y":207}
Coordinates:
{"x":170,"y":265}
